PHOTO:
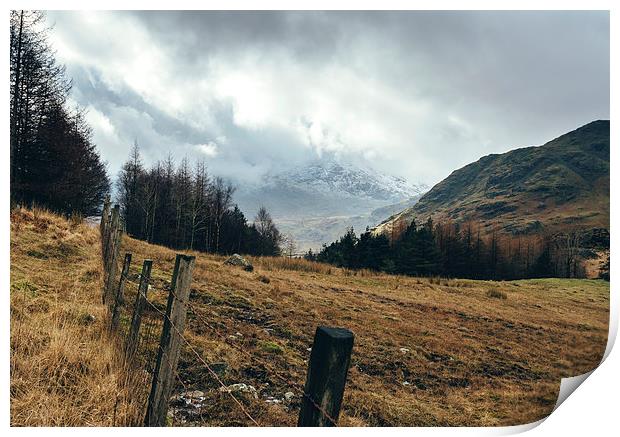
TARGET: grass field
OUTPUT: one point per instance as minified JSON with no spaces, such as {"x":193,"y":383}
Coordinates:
{"x":428,"y":351}
{"x":65,"y":369}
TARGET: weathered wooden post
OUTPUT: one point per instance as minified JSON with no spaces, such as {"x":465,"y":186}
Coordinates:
{"x":119,"y":298}
{"x":107,"y":242}
{"x":327,"y":375}
{"x":136,"y":318}
{"x":105,"y":215}
{"x":113,"y":267}
{"x":170,"y":343}
{"x":114,"y":247}
{"x":107,"y":231}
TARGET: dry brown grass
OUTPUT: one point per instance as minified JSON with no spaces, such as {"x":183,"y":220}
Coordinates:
{"x":496,"y":294}
{"x":270,"y":263}
{"x":65,"y":370}
{"x":468,"y":359}
{"x":471,"y":360}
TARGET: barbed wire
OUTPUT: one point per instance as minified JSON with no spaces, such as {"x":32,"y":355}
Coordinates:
{"x":289,"y":383}
{"x":273,"y":372}
{"x":195,"y":352}
{"x":153,"y":336}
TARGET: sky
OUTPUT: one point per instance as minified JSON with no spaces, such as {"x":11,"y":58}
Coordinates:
{"x":413,"y":94}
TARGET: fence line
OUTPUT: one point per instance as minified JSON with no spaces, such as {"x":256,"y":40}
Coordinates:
{"x":327,"y":367}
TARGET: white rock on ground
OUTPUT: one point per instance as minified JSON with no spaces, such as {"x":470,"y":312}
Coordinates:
{"x":238,"y":260}
{"x":240,"y":388}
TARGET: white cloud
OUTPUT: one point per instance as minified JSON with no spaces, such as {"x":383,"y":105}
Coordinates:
{"x":416,"y":95}
{"x":209,"y":149}
{"x":99,"y":122}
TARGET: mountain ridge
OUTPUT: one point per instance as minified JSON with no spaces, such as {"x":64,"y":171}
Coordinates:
{"x":560,"y":184}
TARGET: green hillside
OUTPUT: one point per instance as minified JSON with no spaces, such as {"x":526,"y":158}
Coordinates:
{"x":562,"y":184}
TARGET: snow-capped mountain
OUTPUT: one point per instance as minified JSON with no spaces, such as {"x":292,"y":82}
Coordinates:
{"x":331,"y":177}
{"x":318,"y":201}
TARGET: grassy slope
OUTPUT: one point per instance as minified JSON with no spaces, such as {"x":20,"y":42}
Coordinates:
{"x":471,"y":360}
{"x":65,"y":370}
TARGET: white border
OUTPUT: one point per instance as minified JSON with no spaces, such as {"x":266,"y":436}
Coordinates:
{"x":592,"y":411}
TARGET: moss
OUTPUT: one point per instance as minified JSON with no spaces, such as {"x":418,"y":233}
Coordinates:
{"x":238,"y":301}
{"x":24,"y":286}
{"x":271,"y":347}
{"x":36,"y":254}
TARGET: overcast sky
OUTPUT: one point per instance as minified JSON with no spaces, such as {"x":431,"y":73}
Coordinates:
{"x":414,"y":94}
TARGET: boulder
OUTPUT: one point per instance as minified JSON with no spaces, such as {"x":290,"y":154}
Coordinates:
{"x":238,"y":260}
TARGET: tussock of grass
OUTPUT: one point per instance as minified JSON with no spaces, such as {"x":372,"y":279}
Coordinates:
{"x":294,"y":264}
{"x":496,"y":294}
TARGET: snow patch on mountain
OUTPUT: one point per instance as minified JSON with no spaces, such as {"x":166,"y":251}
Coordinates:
{"x":331,"y":177}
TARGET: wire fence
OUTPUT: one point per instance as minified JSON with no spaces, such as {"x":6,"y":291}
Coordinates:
{"x":160,"y":340}
{"x":144,"y":358}
{"x":273,"y":371}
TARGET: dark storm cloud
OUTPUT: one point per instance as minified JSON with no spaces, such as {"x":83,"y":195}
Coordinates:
{"x":413,"y":93}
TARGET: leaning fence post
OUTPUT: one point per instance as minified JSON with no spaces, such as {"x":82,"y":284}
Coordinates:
{"x":327,"y":375}
{"x":120,"y":293}
{"x":136,"y":318}
{"x":170,"y":343}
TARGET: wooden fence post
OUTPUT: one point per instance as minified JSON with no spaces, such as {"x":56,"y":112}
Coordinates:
{"x":108,"y":240}
{"x":136,"y":318}
{"x":119,"y":299}
{"x":327,"y":375}
{"x":170,"y":343}
{"x":105,"y":215}
{"x":115,"y":239}
{"x":109,"y":225}
{"x":113,"y":250}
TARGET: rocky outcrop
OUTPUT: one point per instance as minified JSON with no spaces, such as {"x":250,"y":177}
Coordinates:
{"x":238,"y":260}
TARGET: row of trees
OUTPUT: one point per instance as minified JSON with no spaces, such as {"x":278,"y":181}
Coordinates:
{"x":452,"y":250}
{"x":186,"y":208}
{"x":53,"y":159}
{"x":55,"y":164}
